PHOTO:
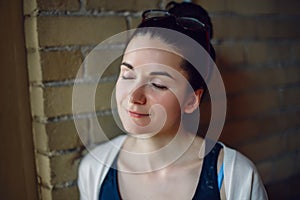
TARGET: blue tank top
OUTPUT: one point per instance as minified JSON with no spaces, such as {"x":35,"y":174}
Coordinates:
{"x":208,"y":186}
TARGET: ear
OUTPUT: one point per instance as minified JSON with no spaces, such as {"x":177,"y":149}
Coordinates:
{"x":193,"y":101}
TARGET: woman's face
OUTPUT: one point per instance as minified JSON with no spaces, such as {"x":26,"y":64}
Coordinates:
{"x":151,"y":89}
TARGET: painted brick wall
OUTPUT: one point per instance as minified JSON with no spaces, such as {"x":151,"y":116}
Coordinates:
{"x":258,"y":54}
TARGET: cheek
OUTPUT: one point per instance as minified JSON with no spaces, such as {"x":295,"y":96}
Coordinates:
{"x":169,"y":102}
{"x":121,"y":91}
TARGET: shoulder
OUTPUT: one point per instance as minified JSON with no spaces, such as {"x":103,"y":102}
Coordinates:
{"x":235,"y":159}
{"x":101,"y":153}
{"x":94,"y":166}
{"x":242,"y":180}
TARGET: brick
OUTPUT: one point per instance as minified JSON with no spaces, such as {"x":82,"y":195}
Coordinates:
{"x":265,"y":148}
{"x":70,"y":193}
{"x":233,"y":27}
{"x":40,"y":137}
{"x":285,"y":189}
{"x":113,"y":69}
{"x":297,"y":162}
{"x":57,"y":169}
{"x":51,"y":102}
{"x":225,"y":27}
{"x":103,"y":95}
{"x":252,"y":7}
{"x":239,"y":131}
{"x":134,"y":22}
{"x":95,"y":4}
{"x":293,"y":140}
{"x":60,"y":65}
{"x":291,"y":97}
{"x":31,"y":34}
{"x":57,"y":101}
{"x":62,"y":5}
{"x":77,"y":30}
{"x":45,"y":193}
{"x":259,"y":78}
{"x":290,"y":8}
{"x":43,"y":169}
{"x":109,"y":127}
{"x":265,"y":170}
{"x":257,"y":52}
{"x":64,"y":168}
{"x":213,"y":5}
{"x":268,"y":53}
{"x":120,"y":5}
{"x":37,"y":101}
{"x":278,"y":28}
{"x":58,"y":135}
{"x":229,"y":54}
{"x":29,"y":7}
{"x":99,"y":60}
{"x":296,"y":53}
{"x":252,"y":104}
{"x":285,"y":167}
{"x":53,"y":66}
{"x":34,"y":66}
{"x":205,"y":111}
{"x":165,"y":2}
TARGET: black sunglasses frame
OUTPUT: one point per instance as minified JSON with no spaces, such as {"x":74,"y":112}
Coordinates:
{"x":157,"y":14}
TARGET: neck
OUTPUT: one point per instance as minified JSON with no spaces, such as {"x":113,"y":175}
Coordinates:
{"x":156,"y":152}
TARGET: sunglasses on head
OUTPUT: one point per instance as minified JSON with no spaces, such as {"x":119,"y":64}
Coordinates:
{"x":187,"y":23}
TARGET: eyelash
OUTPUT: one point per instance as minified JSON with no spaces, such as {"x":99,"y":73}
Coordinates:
{"x":158,"y":86}
{"x":127,"y":78}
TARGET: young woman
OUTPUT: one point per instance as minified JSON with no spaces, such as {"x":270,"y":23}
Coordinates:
{"x":161,"y":157}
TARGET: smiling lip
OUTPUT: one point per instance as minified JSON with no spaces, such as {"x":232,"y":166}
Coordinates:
{"x":137,"y":115}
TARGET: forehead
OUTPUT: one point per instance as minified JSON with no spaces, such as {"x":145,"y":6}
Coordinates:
{"x":148,"y":41}
{"x":144,"y":49}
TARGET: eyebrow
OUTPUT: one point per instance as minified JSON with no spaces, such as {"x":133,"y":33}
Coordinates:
{"x":127,"y":65}
{"x":161,"y":74}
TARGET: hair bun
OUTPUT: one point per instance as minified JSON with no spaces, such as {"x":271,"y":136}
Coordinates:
{"x":186,"y":9}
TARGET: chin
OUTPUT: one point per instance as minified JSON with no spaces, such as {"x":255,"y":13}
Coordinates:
{"x":141,"y":127}
{"x":135,"y":130}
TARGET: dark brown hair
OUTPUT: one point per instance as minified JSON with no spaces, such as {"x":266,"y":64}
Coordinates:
{"x":201,"y":37}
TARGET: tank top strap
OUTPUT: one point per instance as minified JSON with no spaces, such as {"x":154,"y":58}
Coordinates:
{"x":207,"y":188}
{"x":208,"y":184}
{"x":109,"y":188}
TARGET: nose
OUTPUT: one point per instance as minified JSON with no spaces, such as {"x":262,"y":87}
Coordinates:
{"x":138,"y":96}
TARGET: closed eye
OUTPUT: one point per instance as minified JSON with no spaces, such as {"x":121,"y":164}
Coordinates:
{"x":127,"y":77}
{"x":158,"y":86}
{"x":127,"y":74}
